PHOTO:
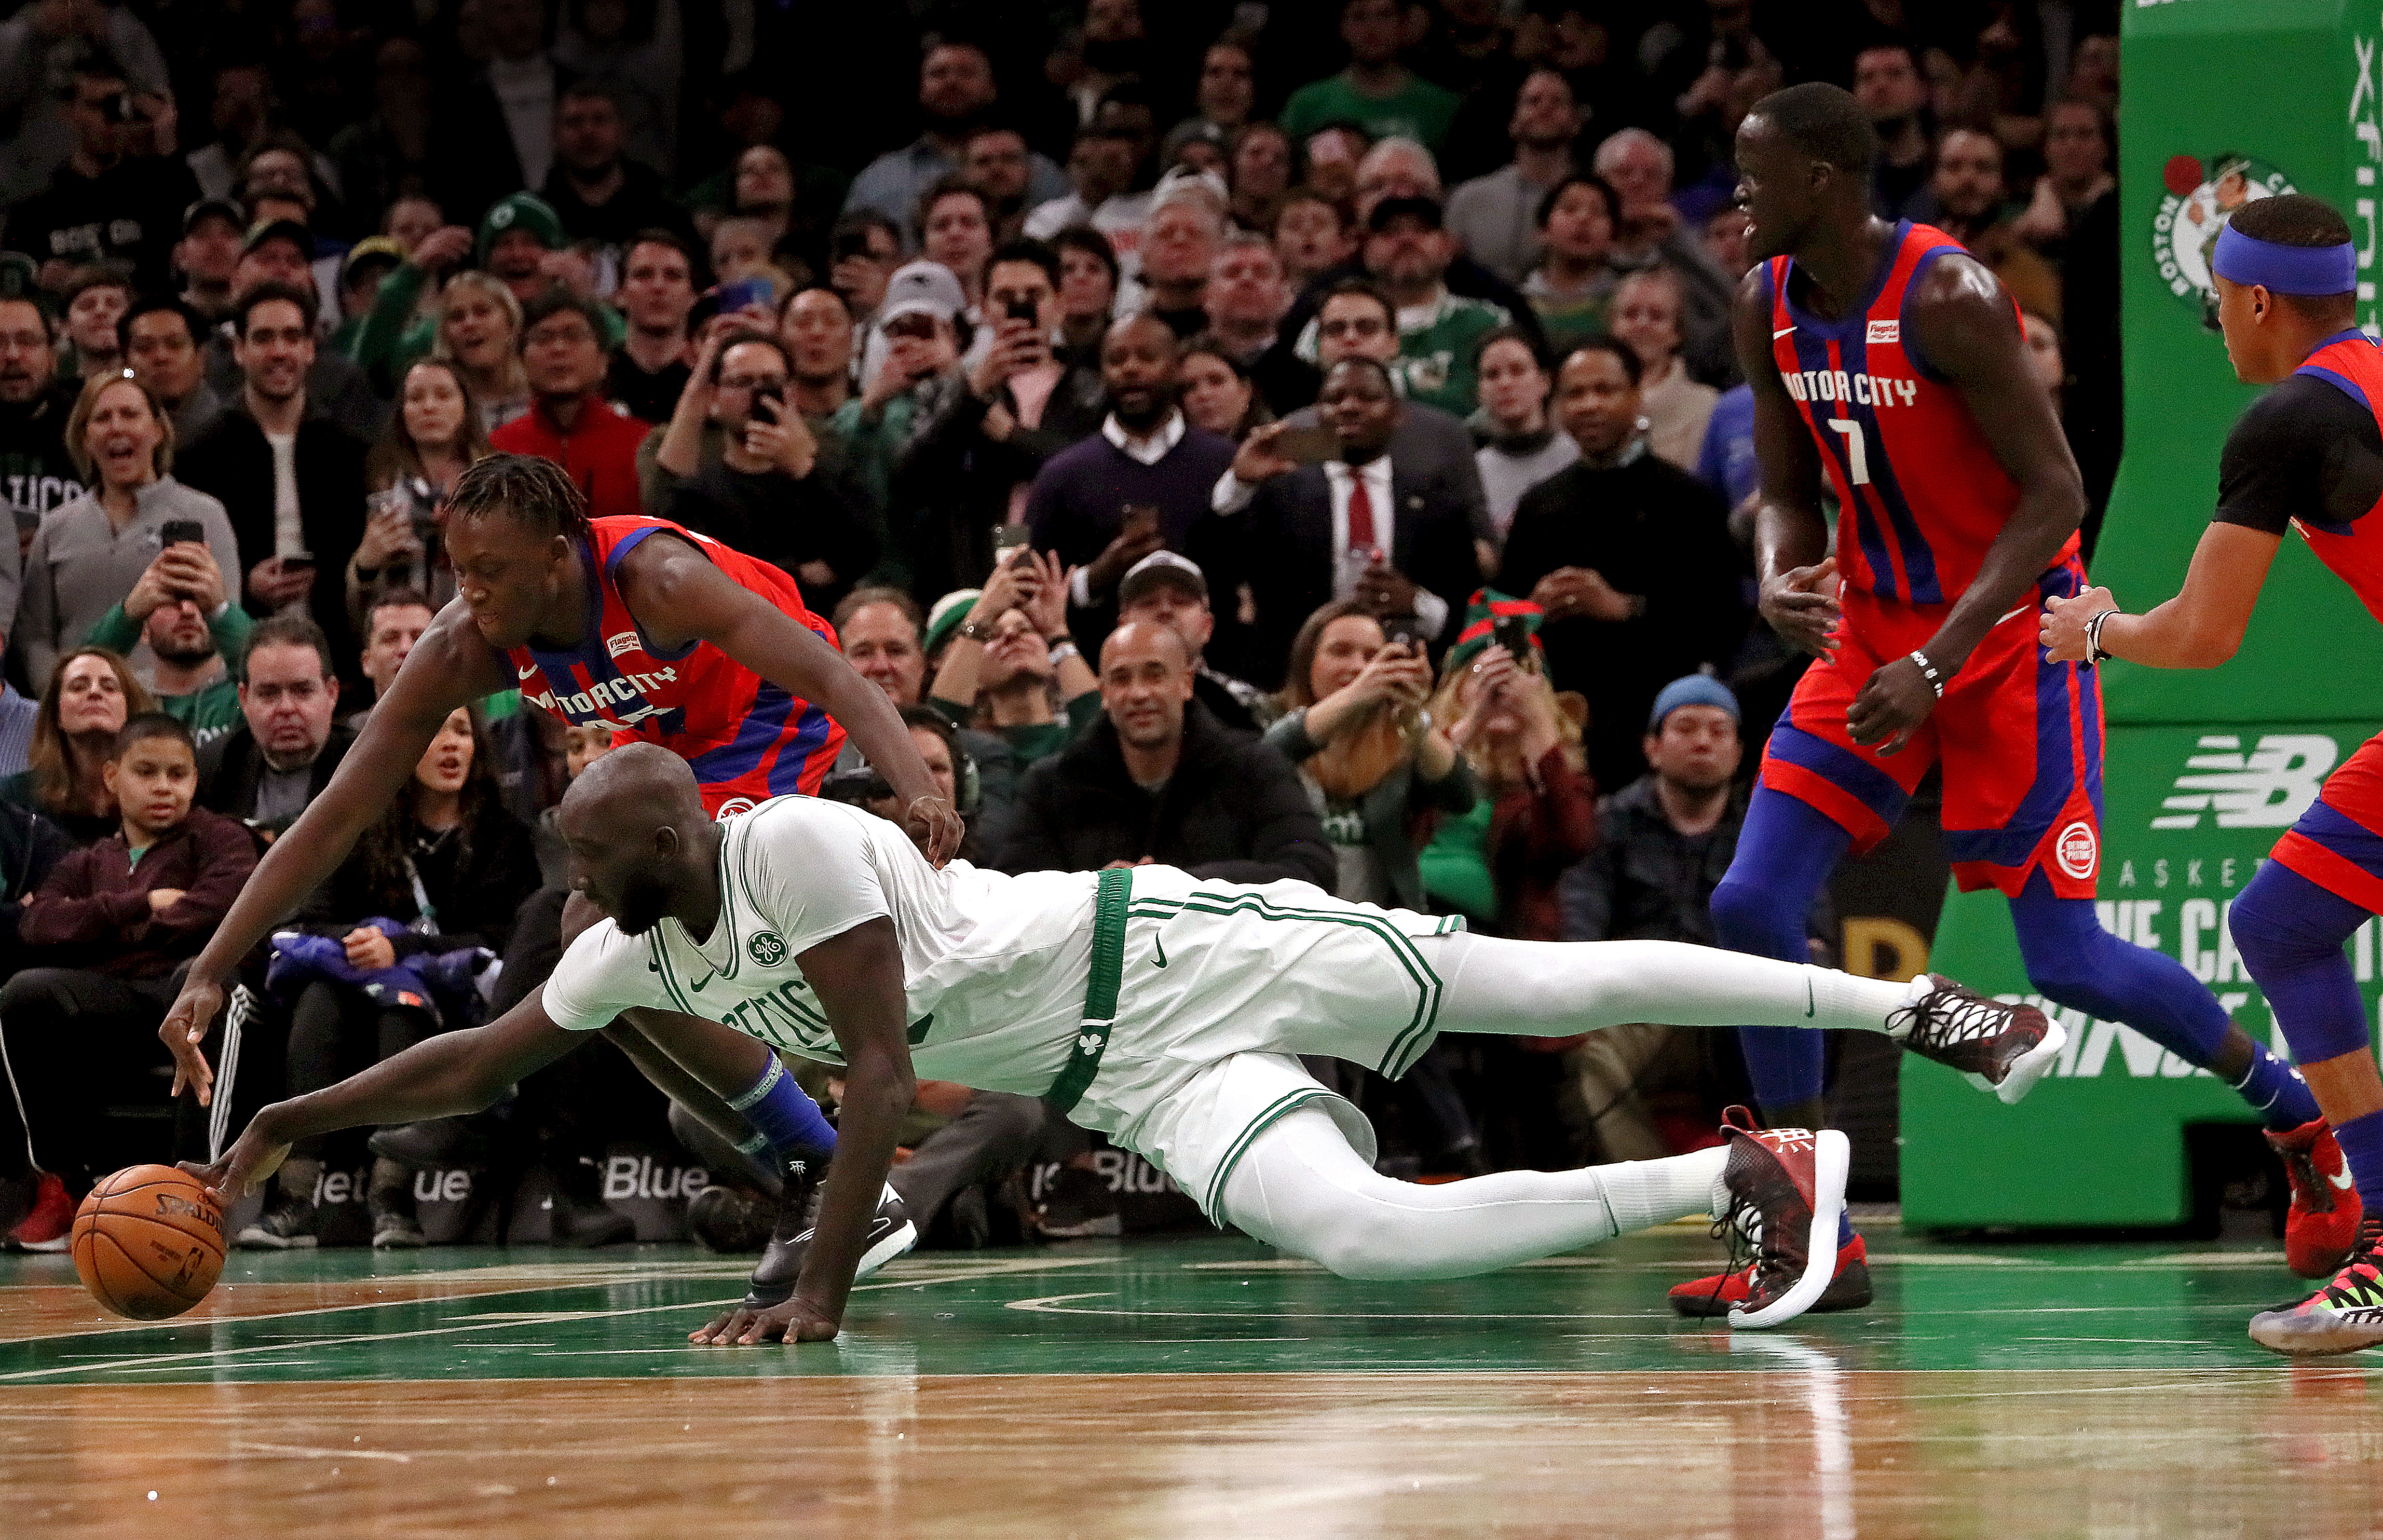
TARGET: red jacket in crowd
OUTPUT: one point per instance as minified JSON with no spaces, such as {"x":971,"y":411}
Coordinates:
{"x":599,"y":454}
{"x":95,"y":907}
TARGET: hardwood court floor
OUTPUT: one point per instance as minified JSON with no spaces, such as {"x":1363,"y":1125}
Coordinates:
{"x":1200,"y":1387}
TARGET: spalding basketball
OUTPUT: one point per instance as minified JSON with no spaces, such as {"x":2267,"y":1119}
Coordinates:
{"x":149,"y":1242}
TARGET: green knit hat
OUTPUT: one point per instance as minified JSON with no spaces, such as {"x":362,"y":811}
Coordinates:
{"x":1482,"y":613}
{"x":949,"y":613}
{"x":521,"y":210}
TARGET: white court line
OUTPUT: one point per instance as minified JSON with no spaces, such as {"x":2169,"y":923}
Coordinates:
{"x":303,"y":1451}
{"x":159,"y":1361}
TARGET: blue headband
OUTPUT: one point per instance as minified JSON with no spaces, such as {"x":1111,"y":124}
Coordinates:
{"x":2247,"y":260}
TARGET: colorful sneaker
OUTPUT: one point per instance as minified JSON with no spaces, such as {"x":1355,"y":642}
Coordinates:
{"x":2322,"y":1228}
{"x":48,"y":1223}
{"x":2344,"y":1316}
{"x":1786,"y":1195}
{"x":1719,"y":1294}
{"x":890,"y":1234}
{"x":1997,"y":1047}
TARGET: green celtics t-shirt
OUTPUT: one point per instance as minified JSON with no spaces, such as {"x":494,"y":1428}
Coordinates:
{"x":1435,"y":347}
{"x":1419,"y":110}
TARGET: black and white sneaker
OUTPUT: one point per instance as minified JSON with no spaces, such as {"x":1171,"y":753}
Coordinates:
{"x":1997,"y":1047}
{"x":287,"y":1224}
{"x":890,"y":1234}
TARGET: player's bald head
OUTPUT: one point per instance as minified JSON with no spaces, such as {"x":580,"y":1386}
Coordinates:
{"x":631,"y":792}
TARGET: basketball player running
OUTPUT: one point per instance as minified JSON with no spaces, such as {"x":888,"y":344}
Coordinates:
{"x":1888,"y":371}
{"x":662,"y":634}
{"x":1161,"y":1009}
{"x":2308,"y":455}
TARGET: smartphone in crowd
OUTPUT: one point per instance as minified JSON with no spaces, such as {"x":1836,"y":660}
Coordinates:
{"x":1008,"y":541}
{"x":182,"y":531}
{"x":1308,"y":445}
{"x":1138,"y":520}
{"x":1513,"y":634}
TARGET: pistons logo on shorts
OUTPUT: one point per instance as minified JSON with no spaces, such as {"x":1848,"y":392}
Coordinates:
{"x":2077,"y":850}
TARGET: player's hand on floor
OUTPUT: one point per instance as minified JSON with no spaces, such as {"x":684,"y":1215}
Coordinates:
{"x":1893,"y":703}
{"x":1801,"y":605}
{"x":2062,"y":630}
{"x":185,"y":1028}
{"x":937,"y":828}
{"x":790,"y":1321}
{"x":251,"y":1162}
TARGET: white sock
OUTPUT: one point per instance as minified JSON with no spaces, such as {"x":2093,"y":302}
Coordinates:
{"x":1644,"y":1193}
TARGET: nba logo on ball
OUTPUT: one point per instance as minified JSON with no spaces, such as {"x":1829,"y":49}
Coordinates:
{"x":2076,"y":849}
{"x":768,"y":948}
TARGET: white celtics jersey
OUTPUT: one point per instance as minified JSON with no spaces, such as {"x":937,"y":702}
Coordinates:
{"x":993,"y":966}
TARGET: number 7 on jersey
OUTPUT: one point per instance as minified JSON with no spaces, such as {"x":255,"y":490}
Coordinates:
{"x":1857,"y":450}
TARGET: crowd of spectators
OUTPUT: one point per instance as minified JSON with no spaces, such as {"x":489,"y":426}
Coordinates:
{"x":1280,"y":440}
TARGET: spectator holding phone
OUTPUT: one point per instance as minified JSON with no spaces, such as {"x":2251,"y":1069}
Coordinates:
{"x":180,"y":611}
{"x":1305,"y":527}
{"x":1502,"y":867}
{"x":1003,"y":665}
{"x":1374,"y":764}
{"x":88,"y":555}
{"x":769,"y":495}
{"x":966,"y":468}
{"x":433,"y":438}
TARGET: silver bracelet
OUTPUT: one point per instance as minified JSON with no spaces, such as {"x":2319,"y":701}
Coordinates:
{"x":1928,"y":671}
{"x":1064,"y":651}
{"x":2095,"y":652}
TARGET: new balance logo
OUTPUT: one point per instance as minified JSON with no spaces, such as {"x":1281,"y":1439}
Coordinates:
{"x":2268,"y":788}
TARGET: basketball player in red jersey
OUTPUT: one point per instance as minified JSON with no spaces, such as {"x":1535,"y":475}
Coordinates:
{"x":2306,"y":456}
{"x":1889,"y":375}
{"x":633,"y":623}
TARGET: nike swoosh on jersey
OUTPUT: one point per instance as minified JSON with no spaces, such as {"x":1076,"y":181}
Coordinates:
{"x":1158,"y":944}
{"x":1783,"y":331}
{"x":528,"y":671}
{"x":1809,"y":1004}
{"x":698,"y":985}
{"x":2343,"y":1179}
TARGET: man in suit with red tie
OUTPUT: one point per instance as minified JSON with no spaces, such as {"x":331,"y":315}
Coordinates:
{"x":1301,"y":536}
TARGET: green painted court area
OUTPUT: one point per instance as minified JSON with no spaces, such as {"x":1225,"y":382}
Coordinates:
{"x":1195,"y":1304}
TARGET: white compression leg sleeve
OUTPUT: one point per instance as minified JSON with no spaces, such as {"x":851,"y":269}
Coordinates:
{"x":1302,"y":1188}
{"x":1554,"y":989}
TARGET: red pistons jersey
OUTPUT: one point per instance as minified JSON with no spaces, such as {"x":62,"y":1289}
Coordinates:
{"x":2353,"y":551}
{"x":747,"y":739}
{"x":1919,"y":493}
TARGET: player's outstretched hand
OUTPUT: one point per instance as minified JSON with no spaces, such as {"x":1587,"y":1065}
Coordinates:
{"x":790,"y":1321}
{"x":1893,"y":703}
{"x":185,"y":1028}
{"x":936,"y":826}
{"x":2062,"y":629}
{"x":1801,"y":605}
{"x":251,"y":1160}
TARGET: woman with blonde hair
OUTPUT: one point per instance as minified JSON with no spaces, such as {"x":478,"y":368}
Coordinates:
{"x":433,"y":437}
{"x":92,"y":694}
{"x":1524,"y":743}
{"x":89,"y":554}
{"x":479,"y":322}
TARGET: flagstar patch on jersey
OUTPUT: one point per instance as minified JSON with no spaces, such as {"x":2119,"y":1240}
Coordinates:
{"x":1885,"y":331}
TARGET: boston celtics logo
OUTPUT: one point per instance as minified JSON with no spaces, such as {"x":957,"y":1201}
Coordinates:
{"x":768,"y":948}
{"x":2198,"y":198}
